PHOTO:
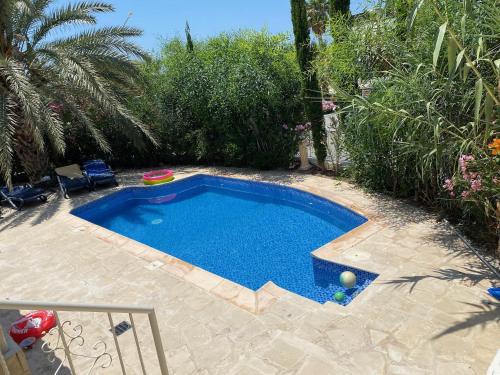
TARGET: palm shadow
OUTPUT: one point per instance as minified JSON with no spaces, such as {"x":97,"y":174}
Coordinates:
{"x":486,"y":311}
{"x":38,"y":213}
{"x":467,"y":275}
{"x":34,"y":213}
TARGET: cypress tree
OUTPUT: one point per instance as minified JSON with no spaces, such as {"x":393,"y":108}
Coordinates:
{"x":311,"y":92}
{"x":339,"y":6}
{"x":189,"y":41}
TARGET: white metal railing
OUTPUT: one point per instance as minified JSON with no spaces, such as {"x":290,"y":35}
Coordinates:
{"x":109,"y":309}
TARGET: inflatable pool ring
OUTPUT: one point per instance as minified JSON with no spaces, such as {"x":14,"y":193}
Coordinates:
{"x":30,"y":327}
{"x":161,"y":176}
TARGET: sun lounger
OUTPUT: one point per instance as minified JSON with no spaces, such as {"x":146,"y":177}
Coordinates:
{"x":99,"y":172}
{"x":71,"y":178}
{"x":20,"y":195}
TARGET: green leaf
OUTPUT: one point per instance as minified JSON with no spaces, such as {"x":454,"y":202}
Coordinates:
{"x":462,"y":25}
{"x":478,"y":96}
{"x":460,"y":56}
{"x":466,"y":71}
{"x":467,"y":6}
{"x":428,"y":107}
{"x":439,"y":42}
{"x":480,"y":47}
{"x":452,"y":55}
{"x":488,"y":108}
{"x":411,"y":19}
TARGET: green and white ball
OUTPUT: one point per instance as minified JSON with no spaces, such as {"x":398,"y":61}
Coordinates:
{"x":347,"y":279}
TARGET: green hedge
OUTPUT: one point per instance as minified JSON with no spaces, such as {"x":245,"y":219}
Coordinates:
{"x":225,"y":102}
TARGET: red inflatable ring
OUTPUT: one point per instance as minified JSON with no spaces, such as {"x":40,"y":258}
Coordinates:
{"x":30,"y":327}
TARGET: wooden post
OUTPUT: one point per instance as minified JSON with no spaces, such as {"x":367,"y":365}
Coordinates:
{"x":3,"y":341}
{"x":3,"y":349}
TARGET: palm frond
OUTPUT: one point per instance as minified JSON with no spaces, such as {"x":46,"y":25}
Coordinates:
{"x":71,"y":14}
{"x":104,"y":39}
{"x":27,"y":96}
{"x":52,"y":127}
{"x":7,"y":123}
{"x":97,"y":134}
{"x":90,"y":69}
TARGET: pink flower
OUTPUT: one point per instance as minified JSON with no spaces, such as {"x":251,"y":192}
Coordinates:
{"x":56,"y":107}
{"x":328,"y":106}
{"x":476,"y":184}
{"x":463,"y":162}
{"x":285,"y":126}
{"x":299,"y":127}
{"x":448,"y":184}
{"x":452,"y":194}
{"x":465,"y":194}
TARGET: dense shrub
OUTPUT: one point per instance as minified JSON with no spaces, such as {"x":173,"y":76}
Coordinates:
{"x":224,"y":102}
{"x":429,"y":107}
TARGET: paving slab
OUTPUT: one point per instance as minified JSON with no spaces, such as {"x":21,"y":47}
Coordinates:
{"x":427,"y":312}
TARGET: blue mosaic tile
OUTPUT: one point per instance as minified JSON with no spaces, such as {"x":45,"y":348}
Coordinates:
{"x":248,"y":232}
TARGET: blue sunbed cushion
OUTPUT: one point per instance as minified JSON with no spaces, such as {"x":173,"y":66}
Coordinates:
{"x":100,"y":174}
{"x":93,"y":161}
{"x":23,"y":192}
{"x":97,"y":165}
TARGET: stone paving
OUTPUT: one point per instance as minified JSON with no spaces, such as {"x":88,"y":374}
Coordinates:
{"x":427,"y":312}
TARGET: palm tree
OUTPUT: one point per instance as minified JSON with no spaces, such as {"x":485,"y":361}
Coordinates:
{"x":43,"y":77}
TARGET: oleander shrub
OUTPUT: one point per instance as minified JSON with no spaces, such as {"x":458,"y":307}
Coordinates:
{"x":435,"y":100}
{"x":225,"y":101}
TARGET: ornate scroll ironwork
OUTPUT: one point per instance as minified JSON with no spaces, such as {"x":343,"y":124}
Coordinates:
{"x":75,"y":341}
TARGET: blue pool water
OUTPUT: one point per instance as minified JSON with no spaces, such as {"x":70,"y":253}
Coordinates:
{"x":247,"y":232}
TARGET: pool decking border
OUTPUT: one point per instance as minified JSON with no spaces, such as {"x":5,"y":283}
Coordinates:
{"x":254,"y":302}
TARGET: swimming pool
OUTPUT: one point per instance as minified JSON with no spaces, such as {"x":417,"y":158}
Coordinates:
{"x":248,"y":232}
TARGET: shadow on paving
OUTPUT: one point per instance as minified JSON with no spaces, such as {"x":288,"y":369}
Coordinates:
{"x":483,"y":313}
{"x":35,"y":213}
{"x":134,"y":176}
{"x":38,"y":213}
{"x":473,"y":273}
{"x":38,"y":361}
{"x":399,"y":213}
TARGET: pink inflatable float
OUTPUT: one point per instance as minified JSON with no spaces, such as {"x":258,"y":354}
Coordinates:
{"x":161,"y":176}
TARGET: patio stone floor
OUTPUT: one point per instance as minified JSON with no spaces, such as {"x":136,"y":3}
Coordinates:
{"x":427,"y":312}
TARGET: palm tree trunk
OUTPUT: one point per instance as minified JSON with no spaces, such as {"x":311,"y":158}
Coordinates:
{"x":34,"y":161}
